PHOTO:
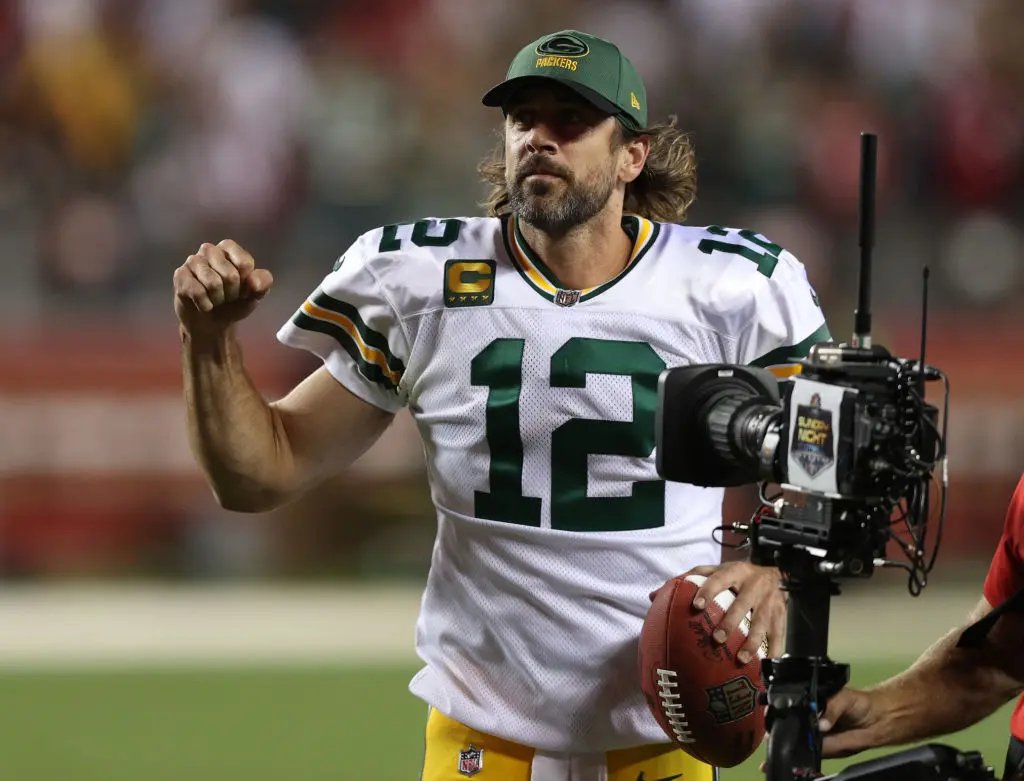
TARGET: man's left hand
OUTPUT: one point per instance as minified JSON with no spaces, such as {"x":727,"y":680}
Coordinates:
{"x":757,"y":589}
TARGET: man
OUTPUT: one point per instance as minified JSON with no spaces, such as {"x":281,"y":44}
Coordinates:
{"x":958,"y":681}
{"x":528,"y":346}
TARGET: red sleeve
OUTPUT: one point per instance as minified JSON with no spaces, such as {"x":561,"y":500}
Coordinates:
{"x":1006,"y":573}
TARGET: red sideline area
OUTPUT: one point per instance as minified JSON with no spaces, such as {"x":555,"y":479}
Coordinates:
{"x":94,"y":461}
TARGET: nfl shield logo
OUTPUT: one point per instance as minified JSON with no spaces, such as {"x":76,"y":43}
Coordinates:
{"x":732,"y":700}
{"x":471,"y":761}
{"x":567,"y":297}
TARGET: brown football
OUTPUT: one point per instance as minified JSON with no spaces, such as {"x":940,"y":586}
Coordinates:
{"x":706,"y":701}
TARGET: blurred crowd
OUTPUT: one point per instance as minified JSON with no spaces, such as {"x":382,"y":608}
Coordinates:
{"x":132,"y":130}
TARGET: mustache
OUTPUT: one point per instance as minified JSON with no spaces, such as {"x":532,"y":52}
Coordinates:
{"x":540,"y":165}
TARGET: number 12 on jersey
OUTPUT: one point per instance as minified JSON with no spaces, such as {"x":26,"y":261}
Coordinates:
{"x":499,"y":367}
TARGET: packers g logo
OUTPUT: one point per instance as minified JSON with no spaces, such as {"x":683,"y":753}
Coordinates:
{"x":468,"y":282}
{"x":564,"y":46}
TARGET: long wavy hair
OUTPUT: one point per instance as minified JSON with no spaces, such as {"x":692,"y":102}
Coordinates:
{"x":663,"y":192}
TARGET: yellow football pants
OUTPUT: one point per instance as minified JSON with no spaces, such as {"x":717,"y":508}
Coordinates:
{"x":455,"y":752}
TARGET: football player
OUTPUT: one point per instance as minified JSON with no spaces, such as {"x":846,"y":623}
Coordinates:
{"x":527,"y":345}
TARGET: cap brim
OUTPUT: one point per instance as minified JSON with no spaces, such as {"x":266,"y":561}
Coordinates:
{"x":498,"y":96}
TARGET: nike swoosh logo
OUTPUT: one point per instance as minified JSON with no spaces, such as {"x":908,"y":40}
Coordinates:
{"x":666,"y":778}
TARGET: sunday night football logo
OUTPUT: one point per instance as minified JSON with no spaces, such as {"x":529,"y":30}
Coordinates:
{"x":813,"y":446}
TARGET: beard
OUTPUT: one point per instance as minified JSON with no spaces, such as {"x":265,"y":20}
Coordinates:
{"x":557,"y":206}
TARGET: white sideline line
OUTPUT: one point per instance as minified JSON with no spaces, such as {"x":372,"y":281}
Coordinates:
{"x":118,"y":625}
{"x":56,"y":626}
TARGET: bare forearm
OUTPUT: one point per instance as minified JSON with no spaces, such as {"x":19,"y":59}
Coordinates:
{"x":946,"y":690}
{"x":235,"y":435}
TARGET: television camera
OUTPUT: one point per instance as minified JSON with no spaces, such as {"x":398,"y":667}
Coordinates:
{"x":854,"y":447}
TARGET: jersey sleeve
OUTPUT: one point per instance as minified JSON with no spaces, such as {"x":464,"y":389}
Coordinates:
{"x":785,"y":320}
{"x":350,"y":323}
{"x":1006,"y":573}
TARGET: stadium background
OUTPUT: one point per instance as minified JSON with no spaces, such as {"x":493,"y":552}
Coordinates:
{"x":144,"y":633}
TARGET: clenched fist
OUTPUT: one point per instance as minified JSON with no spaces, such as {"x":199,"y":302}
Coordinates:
{"x":218,"y":286}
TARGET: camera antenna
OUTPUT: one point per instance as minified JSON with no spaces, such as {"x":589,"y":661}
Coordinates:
{"x":862,"y":314}
{"x":924,"y":328}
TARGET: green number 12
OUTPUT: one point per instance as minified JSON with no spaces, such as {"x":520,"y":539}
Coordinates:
{"x":499,"y":367}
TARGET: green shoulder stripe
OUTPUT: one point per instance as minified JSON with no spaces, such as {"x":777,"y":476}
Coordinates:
{"x":375,"y":371}
{"x":370,"y":337}
{"x":794,"y":352}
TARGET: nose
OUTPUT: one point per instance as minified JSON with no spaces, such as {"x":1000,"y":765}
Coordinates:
{"x":540,"y":138}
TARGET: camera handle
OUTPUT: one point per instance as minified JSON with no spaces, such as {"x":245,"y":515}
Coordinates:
{"x":801,"y":682}
{"x":803,"y":679}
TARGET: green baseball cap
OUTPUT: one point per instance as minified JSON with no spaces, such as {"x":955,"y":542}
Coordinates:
{"x":591,"y":66}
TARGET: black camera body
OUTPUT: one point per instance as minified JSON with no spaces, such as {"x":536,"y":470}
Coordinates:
{"x":848,"y":440}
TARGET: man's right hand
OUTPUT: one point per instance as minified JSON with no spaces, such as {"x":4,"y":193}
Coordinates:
{"x":216,"y":287}
{"x":851,"y":723}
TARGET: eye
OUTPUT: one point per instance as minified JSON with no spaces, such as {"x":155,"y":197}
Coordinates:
{"x":521,"y":117}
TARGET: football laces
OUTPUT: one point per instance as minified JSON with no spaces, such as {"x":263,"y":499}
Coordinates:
{"x":668,"y":693}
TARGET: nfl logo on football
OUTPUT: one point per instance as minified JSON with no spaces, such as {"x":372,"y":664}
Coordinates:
{"x":567,"y":297}
{"x":471,"y":761}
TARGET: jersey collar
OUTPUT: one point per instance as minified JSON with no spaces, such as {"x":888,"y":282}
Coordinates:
{"x":644,"y":233}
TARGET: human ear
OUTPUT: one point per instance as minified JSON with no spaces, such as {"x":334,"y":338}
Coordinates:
{"x":635,"y":151}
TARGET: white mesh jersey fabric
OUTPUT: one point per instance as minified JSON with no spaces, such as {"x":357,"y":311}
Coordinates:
{"x":538,"y":427}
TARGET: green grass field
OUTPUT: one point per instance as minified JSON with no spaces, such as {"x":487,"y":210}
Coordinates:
{"x":276,"y":723}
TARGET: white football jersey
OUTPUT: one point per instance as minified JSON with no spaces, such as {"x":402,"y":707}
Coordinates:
{"x":536,"y":406}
